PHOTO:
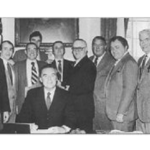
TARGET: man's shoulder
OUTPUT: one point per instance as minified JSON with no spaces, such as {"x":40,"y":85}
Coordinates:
{"x":35,"y":91}
{"x":20,"y":52}
{"x":20,"y":63}
{"x":91,"y":57}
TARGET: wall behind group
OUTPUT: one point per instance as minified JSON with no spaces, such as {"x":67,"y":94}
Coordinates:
{"x":88,"y":29}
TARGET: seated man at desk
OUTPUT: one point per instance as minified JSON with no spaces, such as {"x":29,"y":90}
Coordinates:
{"x":48,"y":106}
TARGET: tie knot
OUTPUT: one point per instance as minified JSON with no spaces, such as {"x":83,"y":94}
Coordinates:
{"x":32,"y":63}
{"x":48,"y":94}
{"x":59,"y":61}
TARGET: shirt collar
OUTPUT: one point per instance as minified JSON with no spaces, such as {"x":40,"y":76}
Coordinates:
{"x":99,"y":56}
{"x":30,"y":61}
{"x":52,"y":92}
{"x":121,"y":58}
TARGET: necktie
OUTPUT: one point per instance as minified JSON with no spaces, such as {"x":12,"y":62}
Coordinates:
{"x":34,"y":77}
{"x":48,"y":100}
{"x":10,"y":73}
{"x":143,"y":65}
{"x":59,"y":70}
{"x":95,"y":61}
{"x":59,"y":66}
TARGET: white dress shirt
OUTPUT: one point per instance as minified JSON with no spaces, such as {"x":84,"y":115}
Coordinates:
{"x":51,"y":95}
{"x":29,"y":70}
{"x":120,"y":58}
{"x":99,"y":58}
{"x":6,"y":69}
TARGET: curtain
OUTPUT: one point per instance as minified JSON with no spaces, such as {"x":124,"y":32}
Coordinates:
{"x":0,"y":26}
{"x":108,"y":27}
{"x":126,"y":20}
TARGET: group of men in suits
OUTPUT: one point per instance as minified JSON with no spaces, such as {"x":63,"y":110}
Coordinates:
{"x":71,"y":108}
{"x":107,"y":91}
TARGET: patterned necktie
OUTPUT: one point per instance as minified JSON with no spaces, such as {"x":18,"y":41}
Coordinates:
{"x":34,"y":77}
{"x":95,"y":61}
{"x":59,"y":70}
{"x":10,"y":73}
{"x":48,"y":100}
{"x":143,"y":65}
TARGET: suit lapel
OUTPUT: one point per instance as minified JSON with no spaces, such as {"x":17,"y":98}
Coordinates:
{"x":24,"y":71}
{"x":145,"y":70}
{"x":118,"y":67}
{"x":55,"y":101}
{"x":102,"y":63}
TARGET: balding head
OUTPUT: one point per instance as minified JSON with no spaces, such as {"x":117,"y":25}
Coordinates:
{"x":80,"y":43}
{"x":79,"y":49}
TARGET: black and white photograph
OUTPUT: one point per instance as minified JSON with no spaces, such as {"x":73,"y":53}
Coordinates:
{"x":76,"y":76}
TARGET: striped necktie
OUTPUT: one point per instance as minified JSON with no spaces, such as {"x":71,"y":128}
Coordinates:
{"x":59,"y":70}
{"x":34,"y":77}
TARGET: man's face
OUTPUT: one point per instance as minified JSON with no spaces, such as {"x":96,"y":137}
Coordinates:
{"x":98,"y":47}
{"x":79,"y":50}
{"x":31,"y":52}
{"x":7,"y":51}
{"x":36,"y":40}
{"x":145,"y":42}
{"x":117,"y":49}
{"x":58,"y":50}
{"x":48,"y":78}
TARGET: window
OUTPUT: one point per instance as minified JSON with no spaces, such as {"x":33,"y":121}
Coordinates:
{"x":135,"y":25}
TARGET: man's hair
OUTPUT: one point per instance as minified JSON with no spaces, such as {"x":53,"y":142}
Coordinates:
{"x":35,"y":33}
{"x":56,"y":42}
{"x":31,"y":43}
{"x":120,"y":39}
{"x":145,"y":30}
{"x":6,"y":41}
{"x":98,"y":38}
{"x":46,"y":67}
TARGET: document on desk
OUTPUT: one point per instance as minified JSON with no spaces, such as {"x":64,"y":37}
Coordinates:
{"x":123,"y":132}
{"x":52,"y":130}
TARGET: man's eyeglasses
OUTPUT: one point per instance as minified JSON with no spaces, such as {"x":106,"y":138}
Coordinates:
{"x":79,"y":49}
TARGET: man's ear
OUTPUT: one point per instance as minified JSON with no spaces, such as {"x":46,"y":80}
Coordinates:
{"x":40,"y":79}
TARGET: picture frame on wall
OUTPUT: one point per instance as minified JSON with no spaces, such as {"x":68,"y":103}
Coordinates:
{"x":52,"y":29}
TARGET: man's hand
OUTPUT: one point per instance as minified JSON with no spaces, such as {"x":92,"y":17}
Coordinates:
{"x":77,"y":131}
{"x":5,"y":116}
{"x":11,"y":62}
{"x":119,"y":118}
{"x":57,"y":130}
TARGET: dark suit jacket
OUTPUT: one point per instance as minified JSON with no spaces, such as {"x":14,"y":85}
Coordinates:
{"x":4,"y":100}
{"x":67,"y":68}
{"x":20,"y":55}
{"x":81,"y":87}
{"x":34,"y":109}
{"x":21,"y":80}
{"x":121,"y":86}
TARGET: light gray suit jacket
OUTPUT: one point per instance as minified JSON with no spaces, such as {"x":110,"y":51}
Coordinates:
{"x":120,"y":89}
{"x":103,"y":69}
{"x":143,"y":93}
